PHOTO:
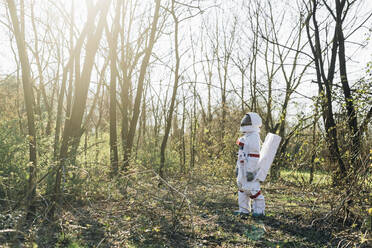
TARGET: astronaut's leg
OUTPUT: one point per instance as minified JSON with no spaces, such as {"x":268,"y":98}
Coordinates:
{"x":244,"y":202}
{"x":258,"y":205}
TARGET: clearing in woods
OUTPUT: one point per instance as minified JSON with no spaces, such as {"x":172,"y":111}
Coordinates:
{"x":195,"y":213}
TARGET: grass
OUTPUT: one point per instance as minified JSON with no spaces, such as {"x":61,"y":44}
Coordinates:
{"x":193,"y":212}
{"x":320,"y":178}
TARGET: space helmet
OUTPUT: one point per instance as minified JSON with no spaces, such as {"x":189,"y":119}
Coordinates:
{"x":251,"y":122}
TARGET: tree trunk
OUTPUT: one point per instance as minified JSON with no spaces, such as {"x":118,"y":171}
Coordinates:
{"x":351,"y":114}
{"x":112,"y":40}
{"x":28,"y":95}
{"x":313,"y":156}
{"x":133,"y":123}
{"x":326,"y":91}
{"x":174,"y":94}
{"x":72,"y":131}
{"x":183,"y":149}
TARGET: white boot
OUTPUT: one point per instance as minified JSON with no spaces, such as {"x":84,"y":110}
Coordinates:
{"x":244,"y":203}
{"x":258,"y":206}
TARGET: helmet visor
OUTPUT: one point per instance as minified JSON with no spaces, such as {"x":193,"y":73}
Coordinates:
{"x":246,"y":121}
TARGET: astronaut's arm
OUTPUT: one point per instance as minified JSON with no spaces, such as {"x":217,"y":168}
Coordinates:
{"x":240,"y":164}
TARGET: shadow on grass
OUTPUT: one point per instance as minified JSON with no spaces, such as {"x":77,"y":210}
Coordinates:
{"x":85,"y":231}
{"x":93,"y":233}
{"x":159,"y":229}
{"x":304,"y":236}
{"x":281,"y":230}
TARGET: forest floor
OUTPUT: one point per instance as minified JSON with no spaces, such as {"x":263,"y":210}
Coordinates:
{"x":193,"y":213}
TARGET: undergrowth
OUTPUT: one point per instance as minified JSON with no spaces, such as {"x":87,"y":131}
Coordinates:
{"x":193,"y":210}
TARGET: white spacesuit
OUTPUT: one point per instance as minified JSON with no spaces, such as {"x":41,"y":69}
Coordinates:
{"x":250,"y":167}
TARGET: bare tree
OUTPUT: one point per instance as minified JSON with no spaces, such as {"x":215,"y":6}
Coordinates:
{"x":113,"y":41}
{"x":18,"y":29}
{"x":169,"y":116}
{"x":223,"y":50}
{"x":136,"y":107}
{"x":325,"y":74}
{"x":73,"y":130}
{"x":289,"y":54}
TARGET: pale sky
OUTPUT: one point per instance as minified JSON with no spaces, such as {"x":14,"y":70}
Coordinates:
{"x":356,"y":66}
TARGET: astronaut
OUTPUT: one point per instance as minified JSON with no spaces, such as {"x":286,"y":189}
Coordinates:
{"x":250,"y":197}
